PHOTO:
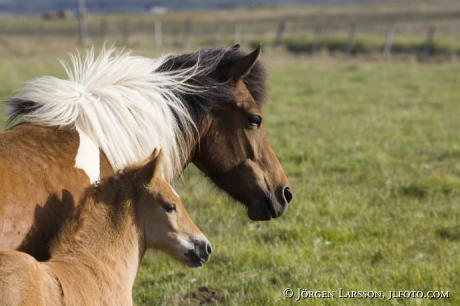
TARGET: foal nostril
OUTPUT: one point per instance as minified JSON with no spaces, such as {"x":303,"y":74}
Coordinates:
{"x":208,"y":248}
{"x":288,"y":194}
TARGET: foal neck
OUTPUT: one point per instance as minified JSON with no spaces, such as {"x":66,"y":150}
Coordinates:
{"x":104,"y":235}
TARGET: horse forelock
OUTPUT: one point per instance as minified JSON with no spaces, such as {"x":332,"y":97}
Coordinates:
{"x":125,"y":104}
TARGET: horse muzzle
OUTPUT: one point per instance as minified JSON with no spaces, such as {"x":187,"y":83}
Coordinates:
{"x":270,"y":206}
{"x":200,"y":254}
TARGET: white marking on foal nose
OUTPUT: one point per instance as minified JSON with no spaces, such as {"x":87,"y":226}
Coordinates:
{"x":88,"y":157}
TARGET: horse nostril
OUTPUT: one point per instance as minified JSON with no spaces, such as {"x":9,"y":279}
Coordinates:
{"x":208,"y":248}
{"x":288,"y":194}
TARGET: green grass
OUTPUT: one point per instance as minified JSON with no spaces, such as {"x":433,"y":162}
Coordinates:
{"x":372,"y":150}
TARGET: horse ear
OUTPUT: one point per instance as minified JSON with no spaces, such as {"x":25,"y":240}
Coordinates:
{"x":236,"y":47}
{"x":151,"y":168}
{"x":241,"y":67}
{"x":157,"y":166}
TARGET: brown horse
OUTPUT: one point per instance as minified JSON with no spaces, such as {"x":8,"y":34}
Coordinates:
{"x":113,"y":109}
{"x":95,"y":259}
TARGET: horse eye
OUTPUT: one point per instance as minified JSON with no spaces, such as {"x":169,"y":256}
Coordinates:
{"x":170,"y":208}
{"x":255,"y":121}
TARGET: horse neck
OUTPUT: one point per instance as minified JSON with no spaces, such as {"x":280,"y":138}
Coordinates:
{"x":202,"y":127}
{"x":104,"y":235}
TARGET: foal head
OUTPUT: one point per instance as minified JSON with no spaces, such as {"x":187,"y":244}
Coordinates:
{"x":165,"y":222}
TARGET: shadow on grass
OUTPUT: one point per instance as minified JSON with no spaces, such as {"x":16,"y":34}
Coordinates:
{"x":413,"y":190}
{"x":449,"y":233}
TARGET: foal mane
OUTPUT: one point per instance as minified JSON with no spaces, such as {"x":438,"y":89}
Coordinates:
{"x":129,"y":104}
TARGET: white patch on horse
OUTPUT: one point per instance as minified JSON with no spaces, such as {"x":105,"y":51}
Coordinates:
{"x":88,"y":157}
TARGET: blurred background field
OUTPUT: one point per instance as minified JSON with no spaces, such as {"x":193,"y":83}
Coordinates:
{"x":305,"y":29}
{"x":370,"y":142}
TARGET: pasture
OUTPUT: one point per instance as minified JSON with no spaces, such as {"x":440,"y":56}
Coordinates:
{"x":372,"y":150}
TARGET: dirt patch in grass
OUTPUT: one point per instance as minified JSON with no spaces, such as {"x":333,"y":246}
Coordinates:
{"x":449,"y":233}
{"x":204,"y":295}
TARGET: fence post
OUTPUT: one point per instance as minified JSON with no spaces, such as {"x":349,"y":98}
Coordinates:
{"x":319,"y":31}
{"x":428,"y":43}
{"x":103,"y":30}
{"x":82,"y":29}
{"x":127,"y":31}
{"x":158,"y":33}
{"x":279,"y":33}
{"x":239,"y":33}
{"x":388,"y":40}
{"x":187,"y":32}
{"x":215,"y":35}
{"x":351,"y":39}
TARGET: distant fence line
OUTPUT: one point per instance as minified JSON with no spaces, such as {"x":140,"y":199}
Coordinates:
{"x":315,"y":45}
{"x":281,"y":37}
{"x":296,"y":39}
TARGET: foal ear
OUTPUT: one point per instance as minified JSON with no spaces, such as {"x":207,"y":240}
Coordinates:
{"x":152,"y":167}
{"x":242,"y":66}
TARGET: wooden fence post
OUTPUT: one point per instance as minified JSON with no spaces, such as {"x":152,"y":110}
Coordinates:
{"x":351,"y":39}
{"x":388,"y":40}
{"x":429,"y":42}
{"x":158,"y":33}
{"x":103,"y":30}
{"x":319,"y":31}
{"x":279,"y":34}
{"x":82,"y":29}
{"x":127,"y":31}
{"x":215,"y":35}
{"x":186,"y":35}
{"x":239,"y":33}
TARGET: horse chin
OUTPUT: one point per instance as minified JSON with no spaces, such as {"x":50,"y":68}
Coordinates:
{"x":261,"y":206}
{"x":195,"y":264}
{"x":265,"y":209}
{"x":193,"y":260}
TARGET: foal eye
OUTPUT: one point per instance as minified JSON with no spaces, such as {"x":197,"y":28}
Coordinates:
{"x":255,"y":121}
{"x":170,"y":208}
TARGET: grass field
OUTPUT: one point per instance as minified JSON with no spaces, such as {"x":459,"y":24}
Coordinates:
{"x":372,"y":150}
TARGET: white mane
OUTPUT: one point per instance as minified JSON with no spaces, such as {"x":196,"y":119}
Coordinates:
{"x":122,"y":103}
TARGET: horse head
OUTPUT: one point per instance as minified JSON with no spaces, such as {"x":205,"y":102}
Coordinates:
{"x":167,"y":225}
{"x":234,"y":150}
